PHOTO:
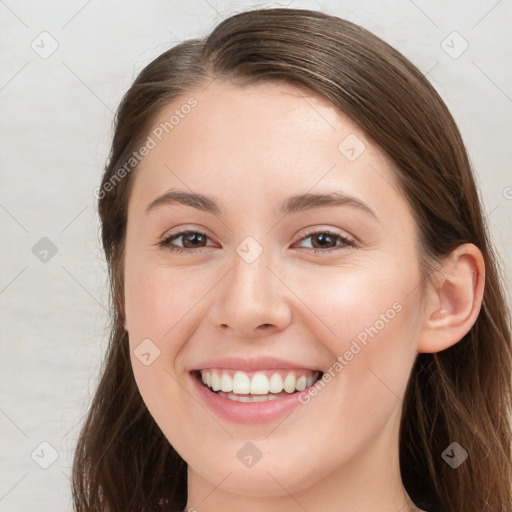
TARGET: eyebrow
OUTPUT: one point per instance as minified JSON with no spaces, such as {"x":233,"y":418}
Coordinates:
{"x":292,"y":204}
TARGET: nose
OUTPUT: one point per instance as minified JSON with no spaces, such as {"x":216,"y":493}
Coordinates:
{"x":251,"y":300}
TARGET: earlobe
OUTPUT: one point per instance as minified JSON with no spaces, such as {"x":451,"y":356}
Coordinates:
{"x":455,"y":300}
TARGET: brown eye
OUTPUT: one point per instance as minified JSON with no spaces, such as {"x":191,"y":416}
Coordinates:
{"x":323,"y":239}
{"x":193,"y":240}
{"x":190,"y":240}
{"x":326,"y":241}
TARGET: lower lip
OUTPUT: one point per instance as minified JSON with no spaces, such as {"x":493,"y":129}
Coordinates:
{"x":245,"y":412}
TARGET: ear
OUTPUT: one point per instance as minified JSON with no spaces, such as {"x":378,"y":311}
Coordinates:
{"x":454,"y":301}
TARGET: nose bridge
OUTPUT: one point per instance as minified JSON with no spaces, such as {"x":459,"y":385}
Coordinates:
{"x":251,"y":278}
{"x":251,"y":295}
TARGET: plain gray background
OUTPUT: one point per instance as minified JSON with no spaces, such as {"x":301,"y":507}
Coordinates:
{"x":56,"y":114}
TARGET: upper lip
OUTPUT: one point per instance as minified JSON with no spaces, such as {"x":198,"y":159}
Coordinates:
{"x":251,"y":364}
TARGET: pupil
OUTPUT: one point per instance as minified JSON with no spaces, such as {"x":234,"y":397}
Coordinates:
{"x":322,"y":238}
{"x":193,"y":235}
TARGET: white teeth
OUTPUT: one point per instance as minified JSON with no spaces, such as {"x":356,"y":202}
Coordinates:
{"x":251,"y":398}
{"x":259,"y":384}
{"x":300,"y":384}
{"x":240,"y":383}
{"x":289,"y":383}
{"x":276,"y":383}
{"x":216,"y":385}
{"x":226,"y":382}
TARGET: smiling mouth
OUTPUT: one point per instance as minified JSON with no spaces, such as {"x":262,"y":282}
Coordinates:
{"x":259,"y":386}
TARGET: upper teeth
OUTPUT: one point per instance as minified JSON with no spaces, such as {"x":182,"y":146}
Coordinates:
{"x":258,"y":383}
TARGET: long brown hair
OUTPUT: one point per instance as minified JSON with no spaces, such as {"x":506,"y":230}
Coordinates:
{"x":122,"y":460}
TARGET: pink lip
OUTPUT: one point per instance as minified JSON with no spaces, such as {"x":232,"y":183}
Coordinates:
{"x":244,"y":412}
{"x":251,"y":365}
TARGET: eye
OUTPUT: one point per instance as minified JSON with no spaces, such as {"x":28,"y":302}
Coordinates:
{"x":196,"y":240}
{"x":191,"y":240}
{"x":325,"y":239}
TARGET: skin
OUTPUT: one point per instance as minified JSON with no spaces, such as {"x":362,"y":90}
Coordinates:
{"x":251,"y":147}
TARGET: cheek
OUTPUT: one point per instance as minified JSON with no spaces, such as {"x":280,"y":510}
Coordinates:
{"x":160,"y":299}
{"x":368,"y":322}
{"x":163,"y":305}
{"x":351,"y":304}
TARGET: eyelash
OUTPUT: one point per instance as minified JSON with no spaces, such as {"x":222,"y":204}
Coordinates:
{"x":166,"y":243}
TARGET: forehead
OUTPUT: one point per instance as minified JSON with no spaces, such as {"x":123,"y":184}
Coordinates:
{"x":258,"y":142}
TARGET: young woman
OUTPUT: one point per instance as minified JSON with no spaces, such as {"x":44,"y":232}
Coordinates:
{"x":307,"y":311}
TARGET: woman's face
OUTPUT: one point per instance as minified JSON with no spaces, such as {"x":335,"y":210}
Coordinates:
{"x":260,"y":295}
